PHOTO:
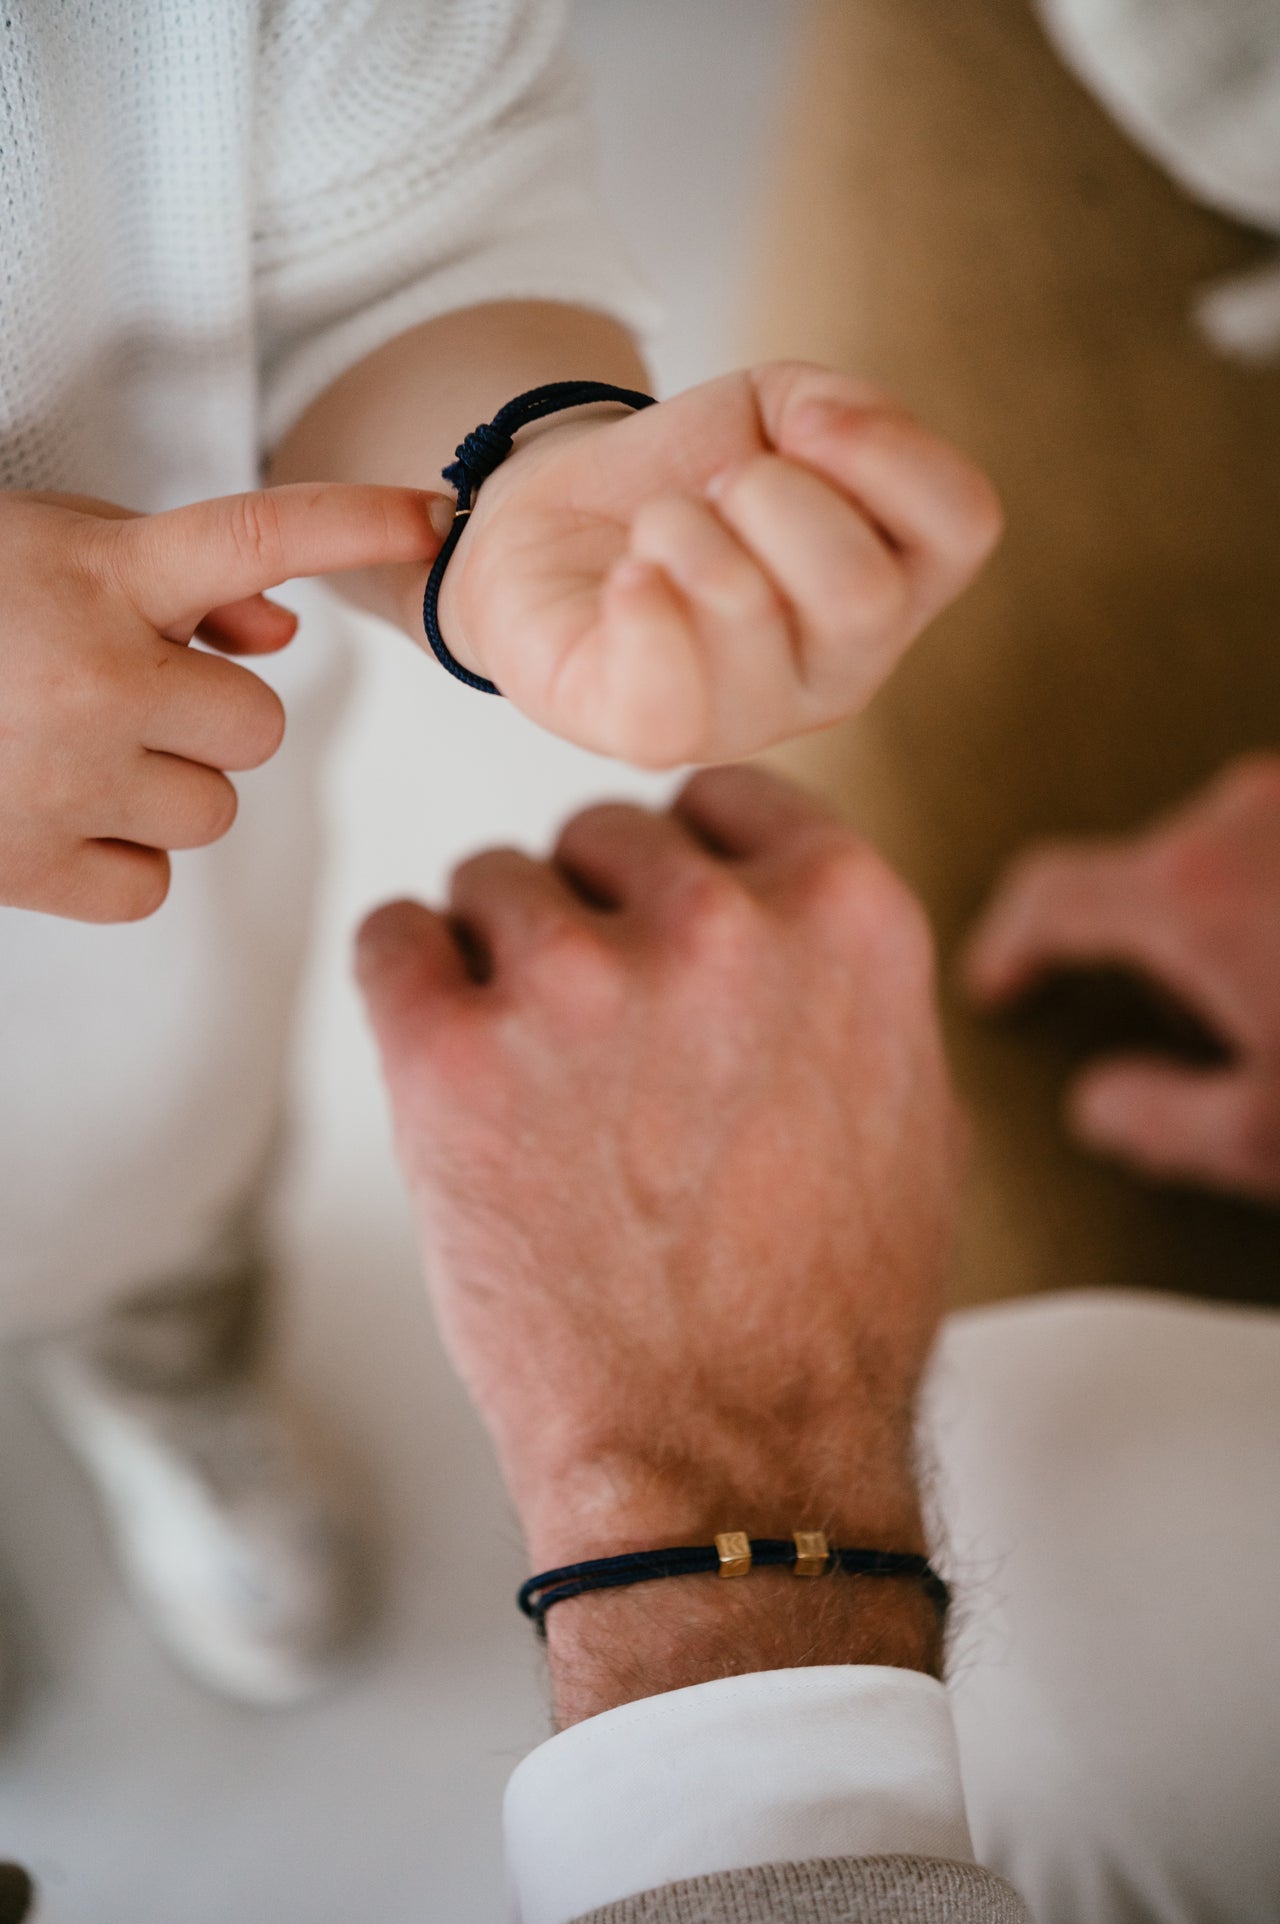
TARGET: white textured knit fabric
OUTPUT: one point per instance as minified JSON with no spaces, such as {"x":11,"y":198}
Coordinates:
{"x":206,"y":213}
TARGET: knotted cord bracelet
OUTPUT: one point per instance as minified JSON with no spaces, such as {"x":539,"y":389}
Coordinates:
{"x":485,"y":449}
{"x":733,"y":1554}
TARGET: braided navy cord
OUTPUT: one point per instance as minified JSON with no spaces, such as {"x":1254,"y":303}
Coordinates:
{"x":485,"y":449}
{"x":540,"y":1594}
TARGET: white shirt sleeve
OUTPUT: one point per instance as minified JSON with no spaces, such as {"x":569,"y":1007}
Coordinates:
{"x":412,"y":158}
{"x":784,"y":1766}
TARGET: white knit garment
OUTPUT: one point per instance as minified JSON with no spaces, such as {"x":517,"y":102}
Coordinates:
{"x":209,"y":209}
{"x":207,"y":212}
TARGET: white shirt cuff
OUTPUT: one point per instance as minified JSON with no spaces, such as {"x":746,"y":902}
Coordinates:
{"x":786,"y":1765}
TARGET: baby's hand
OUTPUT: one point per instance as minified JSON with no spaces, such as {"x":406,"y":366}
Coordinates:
{"x":741,"y":564}
{"x":113,"y":734}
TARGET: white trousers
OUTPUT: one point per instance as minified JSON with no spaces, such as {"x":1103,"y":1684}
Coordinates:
{"x":1108,"y":1475}
{"x":142,"y":1066}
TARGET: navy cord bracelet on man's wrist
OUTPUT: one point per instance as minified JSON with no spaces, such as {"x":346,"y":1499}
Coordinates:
{"x":485,"y":449}
{"x":733,"y":1554}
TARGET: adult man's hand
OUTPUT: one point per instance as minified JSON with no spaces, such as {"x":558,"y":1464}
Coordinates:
{"x":1195,"y":902}
{"x":674,"y":1114}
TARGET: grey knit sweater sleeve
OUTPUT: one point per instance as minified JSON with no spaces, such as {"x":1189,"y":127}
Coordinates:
{"x":830,"y":1890}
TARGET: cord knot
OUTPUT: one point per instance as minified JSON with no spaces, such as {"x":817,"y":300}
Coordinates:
{"x":484,"y":449}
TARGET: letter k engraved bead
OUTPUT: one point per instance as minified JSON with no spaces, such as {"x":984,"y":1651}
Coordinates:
{"x":734,"y":1550}
{"x":812,"y":1554}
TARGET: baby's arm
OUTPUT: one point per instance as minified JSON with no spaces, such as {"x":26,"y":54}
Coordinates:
{"x":745,"y":562}
{"x":401,"y":411}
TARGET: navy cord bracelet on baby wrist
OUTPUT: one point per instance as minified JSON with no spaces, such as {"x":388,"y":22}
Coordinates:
{"x":485,"y":449}
{"x":733,"y":1554}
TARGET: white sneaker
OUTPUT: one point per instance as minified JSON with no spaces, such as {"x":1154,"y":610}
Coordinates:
{"x":222,"y":1531}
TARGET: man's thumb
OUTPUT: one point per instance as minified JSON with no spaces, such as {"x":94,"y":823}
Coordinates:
{"x":1193,"y":1125}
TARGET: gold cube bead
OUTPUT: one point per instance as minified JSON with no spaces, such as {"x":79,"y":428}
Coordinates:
{"x":734,"y":1550}
{"x":812,"y":1553}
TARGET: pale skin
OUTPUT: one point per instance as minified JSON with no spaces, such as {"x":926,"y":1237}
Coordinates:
{"x":1194,"y":902}
{"x":674,"y":1114}
{"x":115,"y":736}
{"x":743,"y":563}
{"x":740,"y":564}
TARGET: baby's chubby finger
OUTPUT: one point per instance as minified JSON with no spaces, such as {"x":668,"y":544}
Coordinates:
{"x":936,"y":507}
{"x":636,"y":686}
{"x":844,"y":586}
{"x":254,"y":626}
{"x":745,"y":631}
{"x":176,"y":566}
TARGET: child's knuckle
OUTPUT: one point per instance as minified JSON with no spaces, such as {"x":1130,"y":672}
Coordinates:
{"x":255,"y":528}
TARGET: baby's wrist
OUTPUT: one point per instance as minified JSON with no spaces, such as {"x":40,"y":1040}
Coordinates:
{"x":534,"y":445}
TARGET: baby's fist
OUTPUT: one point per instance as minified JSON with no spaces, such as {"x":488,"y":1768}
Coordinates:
{"x":741,"y":564}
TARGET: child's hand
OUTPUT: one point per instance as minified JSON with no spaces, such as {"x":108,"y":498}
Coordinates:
{"x":741,"y":564}
{"x":114,"y":735}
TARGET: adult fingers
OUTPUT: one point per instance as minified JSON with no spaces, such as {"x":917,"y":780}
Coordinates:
{"x":749,"y":811}
{"x":209,"y":710}
{"x":171,"y":803}
{"x":514,"y":905}
{"x":176,"y":566}
{"x":409,"y":968}
{"x":254,"y":626}
{"x":631,"y":858}
{"x":1219,"y":1127}
{"x":1071,"y":905}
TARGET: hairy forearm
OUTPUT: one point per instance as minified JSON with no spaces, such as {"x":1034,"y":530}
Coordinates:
{"x":612,"y":1647}
{"x":398,"y":415}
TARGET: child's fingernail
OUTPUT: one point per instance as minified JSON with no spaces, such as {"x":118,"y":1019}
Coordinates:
{"x":440,"y":513}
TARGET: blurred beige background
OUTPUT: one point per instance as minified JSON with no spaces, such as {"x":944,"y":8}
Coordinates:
{"x":952,"y":215}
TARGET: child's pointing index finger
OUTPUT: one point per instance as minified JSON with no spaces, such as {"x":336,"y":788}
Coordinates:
{"x":178,"y":565}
